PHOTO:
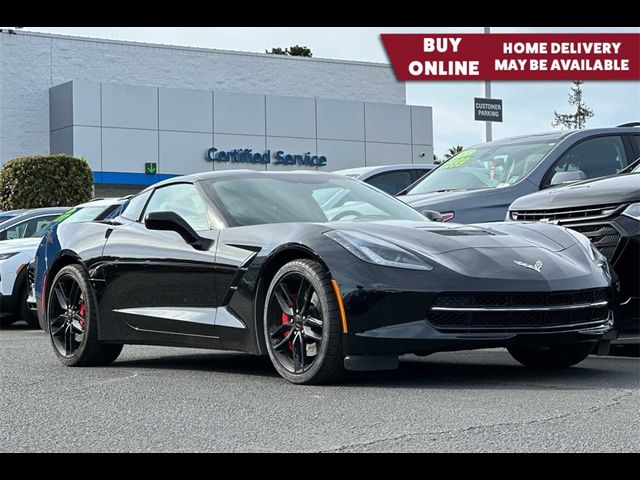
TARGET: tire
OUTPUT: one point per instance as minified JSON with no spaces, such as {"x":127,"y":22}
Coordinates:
{"x":327,"y":364}
{"x":88,"y":351}
{"x":551,"y":356}
{"x":24,"y":312}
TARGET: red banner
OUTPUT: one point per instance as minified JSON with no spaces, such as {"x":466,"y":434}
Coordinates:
{"x":506,"y":56}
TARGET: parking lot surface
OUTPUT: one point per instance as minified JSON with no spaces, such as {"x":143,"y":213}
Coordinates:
{"x":168,"y":399}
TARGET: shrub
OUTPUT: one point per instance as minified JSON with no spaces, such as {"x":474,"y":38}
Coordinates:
{"x":44,"y":181}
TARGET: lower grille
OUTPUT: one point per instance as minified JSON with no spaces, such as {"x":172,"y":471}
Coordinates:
{"x":603,"y":236}
{"x":518,"y":311}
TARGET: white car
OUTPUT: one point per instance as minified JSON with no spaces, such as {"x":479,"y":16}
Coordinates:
{"x":16,"y":255}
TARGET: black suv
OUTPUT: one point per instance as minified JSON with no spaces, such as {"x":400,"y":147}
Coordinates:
{"x":607,"y":211}
{"x":479,"y":183}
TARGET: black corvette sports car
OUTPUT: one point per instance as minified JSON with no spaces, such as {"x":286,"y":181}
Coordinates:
{"x":256,"y":262}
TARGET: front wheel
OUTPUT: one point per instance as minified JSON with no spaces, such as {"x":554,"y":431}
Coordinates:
{"x":24,"y":311}
{"x":72,"y":320}
{"x":302,"y":326}
{"x":551,"y":356}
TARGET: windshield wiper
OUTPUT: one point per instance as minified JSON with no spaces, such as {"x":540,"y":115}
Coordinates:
{"x":450,"y":190}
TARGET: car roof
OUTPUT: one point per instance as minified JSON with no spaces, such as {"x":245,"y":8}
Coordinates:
{"x":35,"y":212}
{"x":374,"y":170}
{"x":557,"y":135}
{"x":32,"y":213}
{"x":240,"y":173}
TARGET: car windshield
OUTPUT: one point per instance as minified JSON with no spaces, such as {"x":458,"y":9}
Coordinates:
{"x":258,"y":199}
{"x":484,"y":166}
{"x":78,"y":214}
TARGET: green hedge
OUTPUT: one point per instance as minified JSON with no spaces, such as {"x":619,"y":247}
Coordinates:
{"x":45,"y":181}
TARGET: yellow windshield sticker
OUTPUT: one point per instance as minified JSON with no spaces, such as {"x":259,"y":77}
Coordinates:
{"x":459,"y":160}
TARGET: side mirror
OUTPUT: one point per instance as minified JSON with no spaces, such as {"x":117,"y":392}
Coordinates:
{"x":562,"y":178}
{"x":175,"y":223}
{"x":432,"y":215}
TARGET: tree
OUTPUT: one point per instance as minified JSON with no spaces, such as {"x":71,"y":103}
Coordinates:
{"x":277,"y":51}
{"x":295,"y":51}
{"x":10,"y":30}
{"x":44,"y":181}
{"x":298,"y":51}
{"x":577,"y":120}
{"x":456,"y":149}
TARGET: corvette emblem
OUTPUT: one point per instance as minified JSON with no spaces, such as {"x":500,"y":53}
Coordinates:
{"x":536,"y":266}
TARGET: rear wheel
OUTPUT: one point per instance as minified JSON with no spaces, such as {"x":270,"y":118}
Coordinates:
{"x":302,"y":324}
{"x":551,"y":356}
{"x":72,"y":320}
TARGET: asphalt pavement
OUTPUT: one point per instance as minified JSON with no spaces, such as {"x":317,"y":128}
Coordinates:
{"x":169,"y":399}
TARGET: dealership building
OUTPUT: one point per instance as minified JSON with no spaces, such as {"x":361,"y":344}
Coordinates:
{"x":139,"y":113}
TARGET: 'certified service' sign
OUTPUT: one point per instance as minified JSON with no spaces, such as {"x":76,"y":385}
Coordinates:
{"x":487,"y":109}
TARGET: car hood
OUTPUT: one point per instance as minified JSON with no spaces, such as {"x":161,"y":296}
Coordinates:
{"x":490,"y":250}
{"x":19,"y":244}
{"x":610,"y":190}
{"x":432,"y":198}
{"x":437,"y":238}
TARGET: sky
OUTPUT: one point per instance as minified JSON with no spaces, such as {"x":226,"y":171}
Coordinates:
{"x":528,"y":106}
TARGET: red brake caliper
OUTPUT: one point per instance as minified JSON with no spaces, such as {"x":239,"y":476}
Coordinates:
{"x":83,"y":313}
{"x":285,"y":319}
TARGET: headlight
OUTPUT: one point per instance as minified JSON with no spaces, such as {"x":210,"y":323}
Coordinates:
{"x":632,"y":211}
{"x":4,"y":256}
{"x":375,"y":250}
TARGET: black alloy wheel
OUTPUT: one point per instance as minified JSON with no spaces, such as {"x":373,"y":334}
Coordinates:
{"x":72,"y":320}
{"x":302,"y":324}
{"x":67,"y":315}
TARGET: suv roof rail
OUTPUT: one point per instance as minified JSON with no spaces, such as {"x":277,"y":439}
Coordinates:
{"x":630,"y":124}
{"x":95,"y":199}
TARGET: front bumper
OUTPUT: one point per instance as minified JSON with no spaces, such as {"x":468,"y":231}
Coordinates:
{"x":421,"y":338}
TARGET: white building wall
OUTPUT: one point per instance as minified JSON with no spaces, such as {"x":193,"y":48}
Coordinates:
{"x":118,"y":128}
{"x":31,"y":63}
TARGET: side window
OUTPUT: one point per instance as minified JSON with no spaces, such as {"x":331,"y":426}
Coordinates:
{"x":596,"y":157}
{"x":135,"y":206}
{"x":27,"y":228}
{"x":635,"y":139}
{"x":391,"y":182}
{"x":183,"y":199}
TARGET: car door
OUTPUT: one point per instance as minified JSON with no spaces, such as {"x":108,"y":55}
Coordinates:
{"x":596,"y":157}
{"x":156,"y":284}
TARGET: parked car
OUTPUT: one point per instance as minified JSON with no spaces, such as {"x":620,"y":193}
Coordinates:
{"x":607,"y":211}
{"x":26,"y":223}
{"x":479,"y":183}
{"x":9,"y":214}
{"x":250,"y":261}
{"x":16,"y":255}
{"x":389,"y":178}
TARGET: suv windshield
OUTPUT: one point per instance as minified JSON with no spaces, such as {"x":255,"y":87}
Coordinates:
{"x":259,"y":199}
{"x":485,"y":166}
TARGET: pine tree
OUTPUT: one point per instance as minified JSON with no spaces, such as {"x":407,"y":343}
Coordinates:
{"x":577,"y":120}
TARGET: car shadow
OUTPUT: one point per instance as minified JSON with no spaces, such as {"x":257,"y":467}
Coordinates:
{"x":17,"y":326}
{"x":426,"y":373}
